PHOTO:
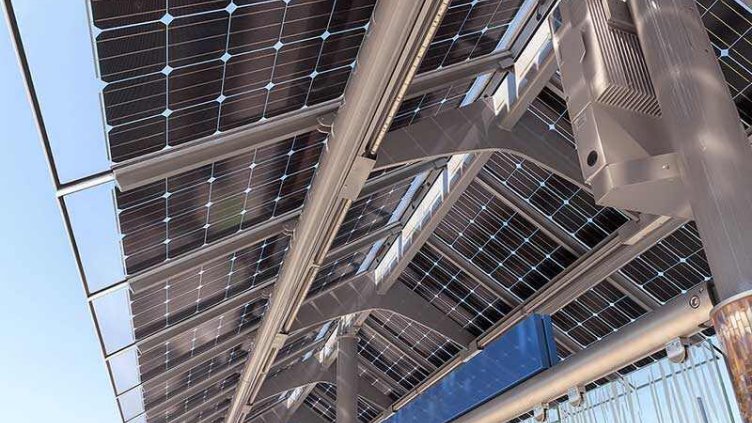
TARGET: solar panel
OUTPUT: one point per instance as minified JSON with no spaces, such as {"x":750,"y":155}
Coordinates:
{"x":389,"y":360}
{"x":182,"y":213}
{"x":155,"y":357}
{"x":671,"y":266}
{"x":156,"y":393}
{"x":338,"y":270}
{"x":206,"y":285}
{"x":431,"y":104}
{"x":178,"y":71}
{"x":597,"y":313}
{"x":303,"y":341}
{"x":266,"y":404}
{"x":469,"y":29}
{"x":322,"y":400}
{"x":207,"y":397}
{"x":432,"y":346}
{"x":567,"y":205}
{"x":453,"y":292}
{"x":730,"y":29}
{"x":551,"y":109}
{"x":372,"y":213}
{"x":500,"y":242}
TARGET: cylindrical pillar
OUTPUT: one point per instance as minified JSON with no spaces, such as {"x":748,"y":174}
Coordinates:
{"x":347,"y":379}
{"x":714,"y":153}
{"x":733,"y":323}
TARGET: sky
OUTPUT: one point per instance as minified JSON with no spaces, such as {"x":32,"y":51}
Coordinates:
{"x":51,"y":368}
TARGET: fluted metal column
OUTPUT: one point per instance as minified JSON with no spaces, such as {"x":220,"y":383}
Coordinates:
{"x":347,"y":378}
{"x":716,"y":159}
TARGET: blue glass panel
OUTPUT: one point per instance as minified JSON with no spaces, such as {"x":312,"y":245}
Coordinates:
{"x":524,"y":351}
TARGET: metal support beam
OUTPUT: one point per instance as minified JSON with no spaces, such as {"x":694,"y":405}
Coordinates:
{"x":500,"y":61}
{"x":387,"y":61}
{"x":364,"y":241}
{"x":360,"y":294}
{"x":310,"y":372}
{"x":715,"y":162}
{"x":681,"y":316}
{"x":347,"y":378}
{"x":450,"y":198}
{"x":392,"y":177}
{"x":704,"y":129}
{"x":306,"y":415}
{"x":475,"y":128}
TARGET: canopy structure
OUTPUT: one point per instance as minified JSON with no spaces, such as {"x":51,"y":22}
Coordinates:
{"x":274,"y":175}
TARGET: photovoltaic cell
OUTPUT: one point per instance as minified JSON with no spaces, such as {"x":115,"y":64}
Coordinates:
{"x":304,"y":340}
{"x":567,"y":205}
{"x":552,"y":110}
{"x":323,"y":398}
{"x":672,"y":266}
{"x":453,"y":292}
{"x":206,"y":285}
{"x":207,"y":398}
{"x":167,"y":218}
{"x":469,"y":29}
{"x":179,"y":71}
{"x":502,"y":243}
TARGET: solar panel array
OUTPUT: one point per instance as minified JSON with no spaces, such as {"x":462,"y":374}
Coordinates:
{"x":178,"y":71}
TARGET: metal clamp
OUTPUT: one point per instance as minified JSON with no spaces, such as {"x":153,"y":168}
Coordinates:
{"x":677,"y":350}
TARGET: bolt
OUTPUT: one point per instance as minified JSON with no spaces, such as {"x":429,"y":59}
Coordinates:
{"x":694,"y":301}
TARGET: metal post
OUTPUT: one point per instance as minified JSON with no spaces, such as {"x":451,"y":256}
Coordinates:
{"x":347,"y":378}
{"x":704,"y":130}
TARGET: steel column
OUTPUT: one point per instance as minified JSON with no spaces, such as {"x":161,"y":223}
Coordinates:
{"x":347,"y":378}
{"x":704,"y":129}
{"x":715,"y":160}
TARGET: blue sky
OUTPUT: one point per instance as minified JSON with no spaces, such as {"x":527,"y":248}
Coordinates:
{"x":52,"y":369}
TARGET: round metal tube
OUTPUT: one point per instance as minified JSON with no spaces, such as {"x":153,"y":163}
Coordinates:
{"x":680,"y":317}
